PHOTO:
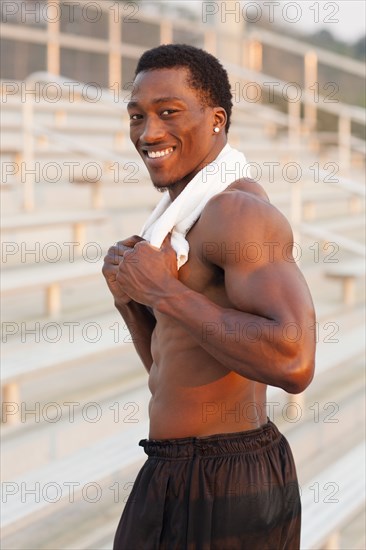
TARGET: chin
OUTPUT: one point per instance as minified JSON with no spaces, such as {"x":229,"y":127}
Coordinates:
{"x":161,"y":189}
{"x":163,"y":186}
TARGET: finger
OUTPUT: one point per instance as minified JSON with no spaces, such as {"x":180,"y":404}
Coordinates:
{"x":137,"y":239}
{"x":110,"y":258}
{"x":120,"y":248}
{"x":119,"y":251}
{"x":128,"y":256}
{"x":113,"y":257}
{"x":109,"y":270}
{"x":131,"y":241}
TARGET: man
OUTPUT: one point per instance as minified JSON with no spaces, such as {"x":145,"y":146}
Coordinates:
{"x":212,"y":334}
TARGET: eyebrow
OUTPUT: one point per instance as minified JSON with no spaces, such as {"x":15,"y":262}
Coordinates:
{"x":155,"y":101}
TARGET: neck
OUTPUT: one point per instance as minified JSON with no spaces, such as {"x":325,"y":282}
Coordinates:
{"x":177,"y":187}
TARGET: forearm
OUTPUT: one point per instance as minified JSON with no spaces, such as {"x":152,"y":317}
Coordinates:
{"x":141,"y":324}
{"x":253,"y":346}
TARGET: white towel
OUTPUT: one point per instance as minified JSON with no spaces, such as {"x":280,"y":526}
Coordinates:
{"x":179,"y":215}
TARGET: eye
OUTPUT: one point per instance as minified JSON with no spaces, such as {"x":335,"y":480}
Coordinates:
{"x":168,"y":111}
{"x":135,"y":117}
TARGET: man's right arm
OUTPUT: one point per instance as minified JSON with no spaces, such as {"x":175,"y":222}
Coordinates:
{"x":141,"y":323}
{"x":137,"y":317}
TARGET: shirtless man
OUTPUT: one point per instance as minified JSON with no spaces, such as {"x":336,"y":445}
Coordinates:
{"x":212,"y":335}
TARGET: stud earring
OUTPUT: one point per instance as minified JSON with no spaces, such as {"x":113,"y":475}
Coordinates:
{"x":216,"y":129}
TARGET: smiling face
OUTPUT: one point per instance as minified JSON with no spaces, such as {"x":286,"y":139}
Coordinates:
{"x":172,"y":129}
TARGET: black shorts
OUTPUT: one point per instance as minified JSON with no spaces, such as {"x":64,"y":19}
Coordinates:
{"x":219,"y":492}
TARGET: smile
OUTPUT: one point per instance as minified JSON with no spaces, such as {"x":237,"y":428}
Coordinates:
{"x":159,"y":154}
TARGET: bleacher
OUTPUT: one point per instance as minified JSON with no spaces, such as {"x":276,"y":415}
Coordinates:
{"x":74,"y":393}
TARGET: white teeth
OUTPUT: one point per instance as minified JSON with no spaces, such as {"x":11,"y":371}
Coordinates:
{"x":157,"y":154}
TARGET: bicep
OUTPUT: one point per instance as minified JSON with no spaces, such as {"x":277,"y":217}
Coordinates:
{"x":251,"y":237}
{"x":274,"y":290}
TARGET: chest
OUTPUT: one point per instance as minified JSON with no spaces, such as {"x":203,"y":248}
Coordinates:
{"x":198,"y":273}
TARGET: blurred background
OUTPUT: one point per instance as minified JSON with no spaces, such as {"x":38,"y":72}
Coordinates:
{"x":74,"y":393}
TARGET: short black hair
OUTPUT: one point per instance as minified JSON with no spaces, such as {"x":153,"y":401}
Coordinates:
{"x":207,"y":75}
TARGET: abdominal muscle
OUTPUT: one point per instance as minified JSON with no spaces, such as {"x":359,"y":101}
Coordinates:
{"x":194,"y":395}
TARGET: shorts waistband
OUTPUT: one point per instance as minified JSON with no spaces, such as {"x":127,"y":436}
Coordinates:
{"x":248,"y":441}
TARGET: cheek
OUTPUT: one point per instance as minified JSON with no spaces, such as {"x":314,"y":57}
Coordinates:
{"x":197,"y":135}
{"x":197,"y":145}
{"x":200,"y":126}
{"x":134,"y":134}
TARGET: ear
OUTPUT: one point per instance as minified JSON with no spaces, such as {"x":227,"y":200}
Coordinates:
{"x":220,"y":117}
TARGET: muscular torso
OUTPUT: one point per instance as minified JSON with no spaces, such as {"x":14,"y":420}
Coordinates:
{"x":192,"y":393}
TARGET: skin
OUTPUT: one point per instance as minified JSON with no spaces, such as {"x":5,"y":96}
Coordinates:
{"x":236,"y":317}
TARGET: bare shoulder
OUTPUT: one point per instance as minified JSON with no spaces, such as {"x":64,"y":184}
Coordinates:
{"x":247,"y":185}
{"x":243,"y":212}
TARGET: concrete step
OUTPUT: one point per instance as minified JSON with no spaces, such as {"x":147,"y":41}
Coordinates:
{"x":75,"y":294}
{"x":64,"y":425}
{"x":11,"y":138}
{"x":55,"y":345}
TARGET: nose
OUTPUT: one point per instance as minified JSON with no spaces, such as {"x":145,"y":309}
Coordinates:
{"x":153,"y":131}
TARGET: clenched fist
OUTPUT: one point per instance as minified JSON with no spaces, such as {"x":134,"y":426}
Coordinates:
{"x":110,"y":268}
{"x":147,"y":273}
